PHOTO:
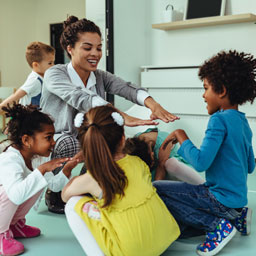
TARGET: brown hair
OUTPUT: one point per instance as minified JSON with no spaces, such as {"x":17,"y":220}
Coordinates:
{"x":71,"y":29}
{"x":36,"y":50}
{"x":100,"y":137}
{"x":139,"y":147}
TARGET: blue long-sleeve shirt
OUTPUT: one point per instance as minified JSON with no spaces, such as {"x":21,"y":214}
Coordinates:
{"x":226,"y":155}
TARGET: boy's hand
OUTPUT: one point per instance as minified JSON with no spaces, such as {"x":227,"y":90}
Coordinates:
{"x":169,"y":141}
{"x":176,"y":136}
{"x":53,"y":164}
{"x":180,"y":135}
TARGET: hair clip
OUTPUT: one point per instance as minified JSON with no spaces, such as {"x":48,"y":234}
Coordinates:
{"x":118,"y":118}
{"x":78,"y":120}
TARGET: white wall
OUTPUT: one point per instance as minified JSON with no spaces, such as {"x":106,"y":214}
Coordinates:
{"x":131,"y":41}
{"x":137,"y":44}
{"x":193,"y":46}
{"x":131,"y":38}
{"x":190,"y":47}
{"x":95,"y":11}
{"x":22,"y":22}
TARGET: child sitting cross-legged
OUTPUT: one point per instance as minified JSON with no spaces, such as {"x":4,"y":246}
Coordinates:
{"x":123,"y":214}
{"x":25,"y":172}
{"x":218,"y":206}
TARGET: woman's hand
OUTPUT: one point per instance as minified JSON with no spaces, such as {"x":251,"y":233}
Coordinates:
{"x":53,"y":164}
{"x":134,"y":121}
{"x":158,"y":112}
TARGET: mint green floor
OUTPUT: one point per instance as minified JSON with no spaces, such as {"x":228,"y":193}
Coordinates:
{"x":58,"y":240}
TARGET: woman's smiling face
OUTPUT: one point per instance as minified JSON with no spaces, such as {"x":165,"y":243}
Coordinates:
{"x":87,"y":51}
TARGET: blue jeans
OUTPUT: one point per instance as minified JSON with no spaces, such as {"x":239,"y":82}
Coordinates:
{"x":194,"y":207}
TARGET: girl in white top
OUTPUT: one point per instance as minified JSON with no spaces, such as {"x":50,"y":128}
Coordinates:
{"x":25,"y":171}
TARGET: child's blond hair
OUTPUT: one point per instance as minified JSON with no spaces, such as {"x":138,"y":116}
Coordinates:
{"x":36,"y":50}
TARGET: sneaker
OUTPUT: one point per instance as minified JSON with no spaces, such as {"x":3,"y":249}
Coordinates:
{"x":216,"y":240}
{"x":20,"y":230}
{"x":54,"y":202}
{"x":243,"y":223}
{"x":10,"y":246}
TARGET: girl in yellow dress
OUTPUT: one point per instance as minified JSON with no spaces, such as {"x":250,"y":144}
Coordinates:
{"x":122,"y":214}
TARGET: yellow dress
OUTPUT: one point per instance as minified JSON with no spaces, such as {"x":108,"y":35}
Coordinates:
{"x":137,"y":224}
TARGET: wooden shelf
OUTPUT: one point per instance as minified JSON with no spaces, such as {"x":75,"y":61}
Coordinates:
{"x":209,"y":21}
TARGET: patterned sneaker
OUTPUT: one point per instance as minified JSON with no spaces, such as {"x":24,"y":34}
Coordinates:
{"x":9,"y":246}
{"x":20,"y":230}
{"x":216,"y":240}
{"x":243,"y":223}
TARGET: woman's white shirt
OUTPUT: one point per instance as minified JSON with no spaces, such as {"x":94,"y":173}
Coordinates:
{"x":91,"y":85}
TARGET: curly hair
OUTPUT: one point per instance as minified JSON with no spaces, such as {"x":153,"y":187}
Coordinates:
{"x":24,"y":120}
{"x":138,"y":147}
{"x":71,"y":29}
{"x":233,"y":70}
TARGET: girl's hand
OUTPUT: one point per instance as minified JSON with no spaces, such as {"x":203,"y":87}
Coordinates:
{"x":70,"y":165}
{"x":166,"y":148}
{"x":79,"y":156}
{"x":158,"y":112}
{"x":53,"y":164}
{"x":170,"y":139}
{"x":134,"y":121}
{"x":163,"y":156}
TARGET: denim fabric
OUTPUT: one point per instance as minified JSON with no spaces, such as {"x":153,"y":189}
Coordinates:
{"x":193,"y":206}
{"x":36,"y":99}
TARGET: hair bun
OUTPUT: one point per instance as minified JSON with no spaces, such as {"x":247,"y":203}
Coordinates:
{"x":18,"y":111}
{"x":69,"y":21}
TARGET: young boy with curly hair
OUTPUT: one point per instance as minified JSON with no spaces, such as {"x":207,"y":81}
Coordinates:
{"x":217,"y":207}
{"x":40,"y":57}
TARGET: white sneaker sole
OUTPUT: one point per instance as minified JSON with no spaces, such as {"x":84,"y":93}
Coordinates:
{"x":248,"y":222}
{"x":220,"y":246}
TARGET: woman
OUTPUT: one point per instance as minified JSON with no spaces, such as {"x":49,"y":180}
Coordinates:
{"x":79,"y":86}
